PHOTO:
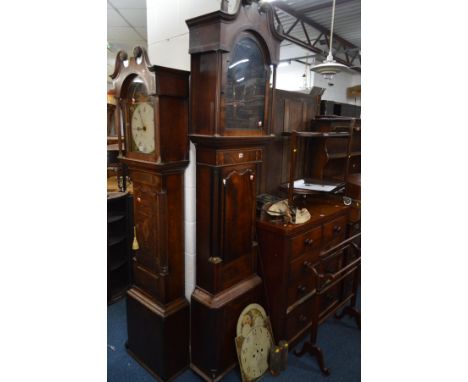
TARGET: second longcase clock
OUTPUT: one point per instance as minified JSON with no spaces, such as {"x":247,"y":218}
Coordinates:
{"x":153,"y":106}
{"x":233,"y":58}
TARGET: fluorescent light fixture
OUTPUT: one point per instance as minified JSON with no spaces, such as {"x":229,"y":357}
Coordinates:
{"x":238,"y":62}
{"x":240,"y":79}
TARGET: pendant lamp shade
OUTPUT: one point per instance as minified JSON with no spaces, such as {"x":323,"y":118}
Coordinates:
{"x":330,"y":67}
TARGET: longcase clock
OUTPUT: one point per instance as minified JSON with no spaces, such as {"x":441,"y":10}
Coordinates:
{"x":233,"y":65}
{"x":153,"y":102}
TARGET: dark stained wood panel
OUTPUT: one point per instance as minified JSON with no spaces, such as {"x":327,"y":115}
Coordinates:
{"x":238,"y":204}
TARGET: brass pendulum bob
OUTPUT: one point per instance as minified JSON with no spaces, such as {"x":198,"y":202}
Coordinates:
{"x":135,"y":245}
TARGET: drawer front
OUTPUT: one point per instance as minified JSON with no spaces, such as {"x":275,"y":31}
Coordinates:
{"x":334,"y":231}
{"x":299,"y":269}
{"x":308,"y":242}
{"x":301,"y":278}
{"x":300,"y":288}
{"x":227,"y":157}
{"x":299,"y":318}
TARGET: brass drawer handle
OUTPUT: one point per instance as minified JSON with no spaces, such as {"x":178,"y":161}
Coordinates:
{"x":337,"y":228}
{"x":138,"y":199}
{"x":308,"y":241}
{"x":302,"y":318}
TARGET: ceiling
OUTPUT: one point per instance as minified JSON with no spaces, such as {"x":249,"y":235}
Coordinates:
{"x":126,"y":25}
{"x":347,"y":16}
{"x":126,"y":28}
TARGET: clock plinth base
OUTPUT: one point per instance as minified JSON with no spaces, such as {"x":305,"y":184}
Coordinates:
{"x":158,"y":336}
{"x":213,"y":327}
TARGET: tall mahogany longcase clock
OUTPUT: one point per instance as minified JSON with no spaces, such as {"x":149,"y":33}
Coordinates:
{"x":153,"y":102}
{"x":233,"y":64}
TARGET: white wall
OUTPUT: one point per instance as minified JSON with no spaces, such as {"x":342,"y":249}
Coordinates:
{"x":168,"y":44}
{"x":337,"y":92}
{"x":290,"y":77}
{"x":168,"y":39}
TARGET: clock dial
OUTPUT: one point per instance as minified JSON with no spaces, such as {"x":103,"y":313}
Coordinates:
{"x":252,"y":315}
{"x":253,"y":342}
{"x":254,"y":352}
{"x":142,"y":123}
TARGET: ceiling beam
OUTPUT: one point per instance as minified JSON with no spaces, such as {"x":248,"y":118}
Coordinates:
{"x":311,"y":45}
{"x":323,"y":6}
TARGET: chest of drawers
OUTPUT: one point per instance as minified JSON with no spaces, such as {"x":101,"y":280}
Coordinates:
{"x":292,"y":266}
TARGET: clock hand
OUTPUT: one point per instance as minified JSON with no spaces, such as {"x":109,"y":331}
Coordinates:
{"x":141,"y":118}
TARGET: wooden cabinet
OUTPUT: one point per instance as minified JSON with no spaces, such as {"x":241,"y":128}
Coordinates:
{"x":332,"y":158}
{"x":288,"y":253}
{"x":119,"y":232}
{"x":292,"y":111}
{"x":310,"y":271}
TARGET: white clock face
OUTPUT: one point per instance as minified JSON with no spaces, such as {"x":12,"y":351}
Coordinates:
{"x":252,"y":315}
{"x":254,"y":352}
{"x":143,"y":127}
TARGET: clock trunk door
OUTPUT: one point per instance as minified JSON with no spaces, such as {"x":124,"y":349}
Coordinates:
{"x":238,"y":207}
{"x":146,"y":227}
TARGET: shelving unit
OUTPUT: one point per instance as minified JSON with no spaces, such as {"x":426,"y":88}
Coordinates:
{"x":118,"y":244}
{"x":332,"y":150}
{"x":332,"y":108}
